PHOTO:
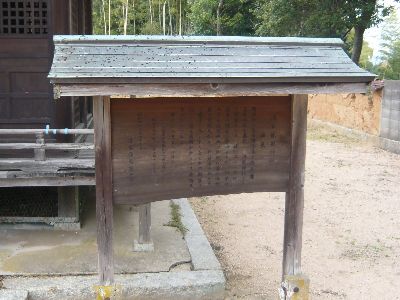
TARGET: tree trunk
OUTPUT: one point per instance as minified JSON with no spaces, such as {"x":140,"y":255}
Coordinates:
{"x":219,"y":8}
{"x":163,"y":10}
{"x":151,"y":12}
{"x":134,"y":17}
{"x":126,"y":17}
{"x":109,"y":17}
{"x":180,"y":17}
{"x":170,"y":19}
{"x":104,"y":16}
{"x":358,"y":43}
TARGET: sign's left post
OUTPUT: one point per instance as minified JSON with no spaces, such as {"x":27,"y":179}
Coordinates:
{"x":104,"y":202}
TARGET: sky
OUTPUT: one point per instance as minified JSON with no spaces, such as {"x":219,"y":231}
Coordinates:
{"x":373,"y":35}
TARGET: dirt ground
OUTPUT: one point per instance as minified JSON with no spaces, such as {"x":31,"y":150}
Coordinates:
{"x":351,"y":234}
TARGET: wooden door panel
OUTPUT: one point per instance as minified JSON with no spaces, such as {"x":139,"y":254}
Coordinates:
{"x":4,"y":108}
{"x":12,"y":46}
{"x":25,"y":57}
{"x":3,"y":83}
{"x":33,"y":108}
{"x":30,"y":83}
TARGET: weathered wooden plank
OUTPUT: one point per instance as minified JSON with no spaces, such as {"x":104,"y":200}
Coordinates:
{"x":47,"y":181}
{"x":65,"y":58}
{"x":206,"y":90}
{"x":49,"y":164}
{"x":104,"y":204}
{"x":121,"y":64}
{"x":205,"y":71}
{"x":47,"y":220}
{"x":203,"y":50}
{"x":59,"y":173}
{"x":51,"y":131}
{"x":327,"y":80}
{"x":262,"y":75}
{"x":50,"y":146}
{"x":295,"y":196}
{"x":62,"y":59}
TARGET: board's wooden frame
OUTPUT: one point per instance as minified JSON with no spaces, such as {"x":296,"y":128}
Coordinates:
{"x":294,"y":197}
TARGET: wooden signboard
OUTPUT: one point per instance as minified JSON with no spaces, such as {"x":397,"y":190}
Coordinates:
{"x":184,"y":147}
{"x":224,"y":133}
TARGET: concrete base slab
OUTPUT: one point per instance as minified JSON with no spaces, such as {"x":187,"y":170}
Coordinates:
{"x":164,"y":285}
{"x":75,"y":226}
{"x":204,"y":280}
{"x":44,"y":252}
{"x":13,"y":294}
{"x":138,"y":247}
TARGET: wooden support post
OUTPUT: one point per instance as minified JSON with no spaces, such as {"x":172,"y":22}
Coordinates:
{"x":295,"y":197}
{"x":68,"y":208}
{"x":40,"y":154}
{"x":104,"y":203}
{"x":85,"y":112}
{"x":144,"y":243}
{"x":68,"y":202}
{"x":144,"y":223}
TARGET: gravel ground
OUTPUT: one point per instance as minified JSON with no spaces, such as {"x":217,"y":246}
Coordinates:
{"x":351,"y":233}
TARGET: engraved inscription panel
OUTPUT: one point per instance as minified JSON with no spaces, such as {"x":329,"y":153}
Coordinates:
{"x":173,"y":148}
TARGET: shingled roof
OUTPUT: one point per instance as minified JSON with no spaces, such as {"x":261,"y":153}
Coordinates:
{"x":183,"y":59}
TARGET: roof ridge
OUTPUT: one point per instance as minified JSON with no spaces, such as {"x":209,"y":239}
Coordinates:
{"x":221,"y":40}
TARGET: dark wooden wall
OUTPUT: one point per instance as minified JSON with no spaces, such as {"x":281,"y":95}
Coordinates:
{"x":26,"y":52}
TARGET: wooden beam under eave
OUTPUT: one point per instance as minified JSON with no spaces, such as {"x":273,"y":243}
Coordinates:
{"x":147,"y":90}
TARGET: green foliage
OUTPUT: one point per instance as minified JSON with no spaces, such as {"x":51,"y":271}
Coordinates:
{"x":318,"y":17}
{"x":203,"y":17}
{"x":176,"y":219}
{"x":366,"y":53}
{"x":300,"y":18}
{"x":144,"y":16}
{"x":392,"y":70}
{"x":364,"y":13}
{"x":366,"y":56}
{"x":321,"y":18}
{"x":97,"y":15}
{"x":389,"y":67}
{"x":236,"y":17}
{"x":150,"y":29}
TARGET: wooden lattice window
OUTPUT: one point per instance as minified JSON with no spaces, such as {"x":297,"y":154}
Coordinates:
{"x":27,"y":17}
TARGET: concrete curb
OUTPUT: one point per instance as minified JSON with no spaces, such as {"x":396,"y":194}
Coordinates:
{"x":205,"y":281}
{"x":377,"y":141}
{"x":203,"y":257}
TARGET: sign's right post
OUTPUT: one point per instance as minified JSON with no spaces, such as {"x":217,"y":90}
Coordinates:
{"x":294,"y":284}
